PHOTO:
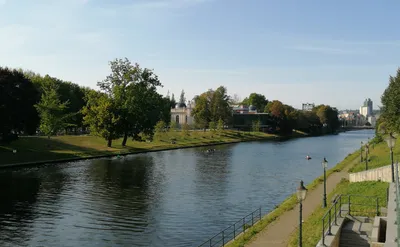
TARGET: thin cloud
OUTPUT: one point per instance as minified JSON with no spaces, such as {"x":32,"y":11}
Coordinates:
{"x":162,"y":4}
{"x":327,"y":50}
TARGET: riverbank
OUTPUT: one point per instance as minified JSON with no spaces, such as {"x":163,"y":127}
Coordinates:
{"x":39,"y":150}
{"x":275,"y":228}
{"x":279,"y":228}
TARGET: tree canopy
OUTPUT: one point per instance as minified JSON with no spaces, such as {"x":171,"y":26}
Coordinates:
{"x":257,"y":100}
{"x":211,"y":106}
{"x":390,"y":110}
{"x":18,"y":96}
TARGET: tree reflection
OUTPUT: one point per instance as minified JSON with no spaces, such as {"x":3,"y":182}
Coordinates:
{"x":20,"y":205}
{"x":212,"y":171}
{"x":126,"y":188}
{"x":18,"y":197}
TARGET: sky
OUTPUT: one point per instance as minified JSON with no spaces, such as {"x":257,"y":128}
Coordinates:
{"x":323,"y":52}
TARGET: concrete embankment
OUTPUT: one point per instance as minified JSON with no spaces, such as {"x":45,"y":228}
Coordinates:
{"x":383,"y":174}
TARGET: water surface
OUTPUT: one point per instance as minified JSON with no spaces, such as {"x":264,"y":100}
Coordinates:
{"x":170,"y":198}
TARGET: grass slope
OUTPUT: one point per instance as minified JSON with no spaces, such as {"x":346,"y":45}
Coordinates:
{"x":379,"y":156}
{"x":34,"y":149}
{"x":289,"y":204}
{"x":312,"y":227}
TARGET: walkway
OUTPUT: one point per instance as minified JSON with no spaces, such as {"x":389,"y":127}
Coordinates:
{"x":278,"y":232}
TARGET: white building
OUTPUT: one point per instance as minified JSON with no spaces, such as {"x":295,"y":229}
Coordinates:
{"x":181,"y":114}
{"x":365,"y":111}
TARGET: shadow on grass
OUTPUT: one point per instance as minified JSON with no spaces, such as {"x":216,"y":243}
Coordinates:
{"x":35,"y":149}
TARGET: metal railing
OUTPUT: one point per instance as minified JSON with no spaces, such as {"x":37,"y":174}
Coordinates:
{"x":231,"y":232}
{"x":397,"y":186}
{"x":337,"y":210}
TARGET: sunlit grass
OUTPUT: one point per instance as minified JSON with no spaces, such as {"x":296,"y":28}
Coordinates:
{"x":379,"y":156}
{"x":34,"y":149}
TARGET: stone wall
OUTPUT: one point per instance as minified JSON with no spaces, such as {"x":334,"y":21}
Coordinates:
{"x":383,"y":174}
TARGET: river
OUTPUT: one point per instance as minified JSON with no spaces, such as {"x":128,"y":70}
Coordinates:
{"x":168,"y":198}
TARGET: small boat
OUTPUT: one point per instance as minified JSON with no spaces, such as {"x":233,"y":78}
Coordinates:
{"x":308,"y":157}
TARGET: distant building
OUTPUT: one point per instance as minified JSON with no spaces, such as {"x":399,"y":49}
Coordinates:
{"x":366,"y":108}
{"x":307,"y":106}
{"x":181,"y":114}
{"x":244,"y":117}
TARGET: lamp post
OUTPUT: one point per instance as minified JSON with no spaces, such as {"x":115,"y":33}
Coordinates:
{"x":301,"y":195}
{"x":324,"y":165}
{"x":361,"y":151}
{"x":391,"y":140}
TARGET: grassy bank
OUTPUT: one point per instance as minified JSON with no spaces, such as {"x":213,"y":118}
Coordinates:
{"x":38,"y":149}
{"x":312,"y":227}
{"x":379,"y":156}
{"x":289,"y":204}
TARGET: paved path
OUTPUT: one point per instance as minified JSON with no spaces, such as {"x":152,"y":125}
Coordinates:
{"x":278,"y":232}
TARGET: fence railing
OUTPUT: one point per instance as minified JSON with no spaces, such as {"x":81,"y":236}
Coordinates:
{"x":359,"y":205}
{"x":397,"y":193}
{"x":231,"y":232}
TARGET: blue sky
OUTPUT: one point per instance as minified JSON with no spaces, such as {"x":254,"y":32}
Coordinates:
{"x":333,"y":52}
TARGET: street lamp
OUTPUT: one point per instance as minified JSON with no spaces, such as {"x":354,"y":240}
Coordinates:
{"x":391,"y":140}
{"x":361,"y":151}
{"x":324,"y":165}
{"x":301,"y":195}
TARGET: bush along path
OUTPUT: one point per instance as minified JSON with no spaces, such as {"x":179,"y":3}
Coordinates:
{"x":278,"y":232}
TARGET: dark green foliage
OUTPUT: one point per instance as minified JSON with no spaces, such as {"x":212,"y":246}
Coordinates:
{"x":17,"y":99}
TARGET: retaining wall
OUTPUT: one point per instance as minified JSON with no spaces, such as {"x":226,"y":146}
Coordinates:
{"x":383,"y":174}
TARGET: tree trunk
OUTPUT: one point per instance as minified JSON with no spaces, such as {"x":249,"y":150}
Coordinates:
{"x":109,"y":142}
{"x":125,"y":139}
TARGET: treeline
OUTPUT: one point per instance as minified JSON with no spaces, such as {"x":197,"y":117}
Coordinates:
{"x":215,"y":105}
{"x":389,"y":120}
{"x":126,"y":104}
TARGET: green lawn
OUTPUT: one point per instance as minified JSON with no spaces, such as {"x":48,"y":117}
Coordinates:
{"x":289,"y":204}
{"x":379,"y":156}
{"x":32,"y":149}
{"x":312,"y":227}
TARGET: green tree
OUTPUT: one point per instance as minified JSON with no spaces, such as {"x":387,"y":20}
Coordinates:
{"x":182,"y":99}
{"x":185,"y":129}
{"x":257,"y":100}
{"x":18,"y":95}
{"x":173,"y":126}
{"x":66,"y":91}
{"x":159,"y":129}
{"x":212,"y":126}
{"x":201,"y":111}
{"x":134,"y":92}
{"x":173,"y":101}
{"x":256,"y":126}
{"x":101,"y":114}
{"x":328,"y":117}
{"x":52,"y":112}
{"x":390,"y":110}
{"x":220,"y":105}
{"x":220,"y":125}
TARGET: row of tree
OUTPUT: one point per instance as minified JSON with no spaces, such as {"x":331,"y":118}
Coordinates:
{"x":215,"y":105}
{"x":126,"y":105}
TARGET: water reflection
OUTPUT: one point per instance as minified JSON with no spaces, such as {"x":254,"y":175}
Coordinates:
{"x":22,"y":191}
